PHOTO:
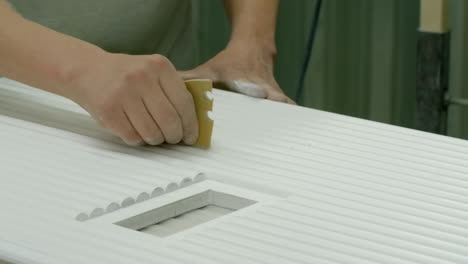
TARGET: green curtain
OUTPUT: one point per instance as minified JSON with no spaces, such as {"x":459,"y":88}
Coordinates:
{"x":363,"y":62}
{"x":458,"y":116}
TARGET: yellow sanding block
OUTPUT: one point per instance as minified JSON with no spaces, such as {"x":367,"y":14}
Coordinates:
{"x":201,"y":91}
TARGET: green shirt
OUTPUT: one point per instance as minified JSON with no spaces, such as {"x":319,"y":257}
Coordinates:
{"x":123,"y":26}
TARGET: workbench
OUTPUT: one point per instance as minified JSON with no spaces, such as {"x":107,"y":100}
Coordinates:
{"x":286,"y":185}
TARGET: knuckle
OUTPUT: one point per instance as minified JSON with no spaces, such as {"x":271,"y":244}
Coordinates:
{"x":159,"y":61}
{"x":136,"y":74}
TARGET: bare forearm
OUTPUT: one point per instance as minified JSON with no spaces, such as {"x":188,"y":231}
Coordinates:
{"x":253,"y":22}
{"x":138,"y":98}
{"x":38,"y":56}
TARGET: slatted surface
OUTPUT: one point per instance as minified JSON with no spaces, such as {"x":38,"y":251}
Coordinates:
{"x":357,"y":191}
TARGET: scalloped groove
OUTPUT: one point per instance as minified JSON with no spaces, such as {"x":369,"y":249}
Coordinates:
{"x":141,"y":197}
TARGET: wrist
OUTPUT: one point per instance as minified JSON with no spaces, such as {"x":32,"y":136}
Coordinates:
{"x":264,"y":48}
{"x":67,"y":73}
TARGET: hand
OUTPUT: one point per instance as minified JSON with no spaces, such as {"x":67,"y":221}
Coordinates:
{"x":242,"y":69}
{"x":141,"y":99}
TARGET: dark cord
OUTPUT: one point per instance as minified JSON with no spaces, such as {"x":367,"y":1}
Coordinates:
{"x":308,"y":51}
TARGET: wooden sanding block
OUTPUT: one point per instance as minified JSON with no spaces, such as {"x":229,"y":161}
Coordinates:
{"x":201,"y":90}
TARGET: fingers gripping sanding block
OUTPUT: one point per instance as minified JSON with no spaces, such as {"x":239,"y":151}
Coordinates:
{"x":201,"y":90}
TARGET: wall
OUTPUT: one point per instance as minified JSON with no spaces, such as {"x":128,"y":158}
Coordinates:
{"x":363,"y":62}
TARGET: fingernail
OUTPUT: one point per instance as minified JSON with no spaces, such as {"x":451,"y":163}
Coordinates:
{"x":154,"y":141}
{"x":190,"y":139}
{"x":138,"y":143}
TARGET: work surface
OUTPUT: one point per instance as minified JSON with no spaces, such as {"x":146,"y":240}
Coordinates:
{"x":327,"y":188}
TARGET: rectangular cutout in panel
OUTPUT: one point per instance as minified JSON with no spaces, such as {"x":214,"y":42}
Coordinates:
{"x":185,"y":213}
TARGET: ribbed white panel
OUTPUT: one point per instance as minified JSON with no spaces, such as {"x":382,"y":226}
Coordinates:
{"x":352,"y":191}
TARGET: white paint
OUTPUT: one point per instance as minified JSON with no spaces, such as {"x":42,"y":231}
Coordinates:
{"x":247,"y":88}
{"x":210,"y":115}
{"x":209,"y":95}
{"x":350,"y":190}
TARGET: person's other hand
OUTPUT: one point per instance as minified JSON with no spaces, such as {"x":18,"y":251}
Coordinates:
{"x":141,"y":99}
{"x":241,"y":69}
